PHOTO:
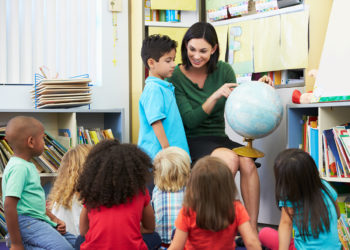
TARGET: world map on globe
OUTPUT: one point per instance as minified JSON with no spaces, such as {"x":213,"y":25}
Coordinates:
{"x":254,"y":110}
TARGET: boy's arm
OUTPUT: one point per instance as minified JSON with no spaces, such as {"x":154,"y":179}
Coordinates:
{"x":285,"y":229}
{"x":160,"y":133}
{"x":61,"y":225}
{"x":11,"y":217}
{"x":84,"y":222}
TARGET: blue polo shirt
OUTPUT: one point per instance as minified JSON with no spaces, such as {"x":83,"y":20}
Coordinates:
{"x":326,"y":240}
{"x":157,"y":102}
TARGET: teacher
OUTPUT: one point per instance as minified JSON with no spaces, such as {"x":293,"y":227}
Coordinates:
{"x":202,"y":85}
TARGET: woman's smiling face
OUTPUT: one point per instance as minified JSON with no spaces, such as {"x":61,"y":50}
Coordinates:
{"x":199,"y":52}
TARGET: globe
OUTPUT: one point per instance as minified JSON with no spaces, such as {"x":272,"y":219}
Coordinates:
{"x":253,"y":110}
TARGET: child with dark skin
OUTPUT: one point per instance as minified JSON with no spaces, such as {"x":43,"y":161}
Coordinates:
{"x":23,"y":196}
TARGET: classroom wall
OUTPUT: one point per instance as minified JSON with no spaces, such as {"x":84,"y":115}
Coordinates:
{"x":114,"y":91}
{"x":271,"y":146}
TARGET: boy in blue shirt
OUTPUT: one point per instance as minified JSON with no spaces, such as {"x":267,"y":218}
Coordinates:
{"x":29,"y":223}
{"x":160,"y":121}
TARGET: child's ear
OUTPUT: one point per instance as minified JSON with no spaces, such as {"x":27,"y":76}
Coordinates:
{"x":30,"y":142}
{"x":150,"y":62}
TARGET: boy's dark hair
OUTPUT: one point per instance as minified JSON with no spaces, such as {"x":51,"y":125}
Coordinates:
{"x":210,"y":193}
{"x":298,"y":181}
{"x":207,"y":32}
{"x":155,"y":46}
{"x":113,"y":174}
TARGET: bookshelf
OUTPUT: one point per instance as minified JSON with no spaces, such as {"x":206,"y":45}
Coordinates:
{"x":329,"y":115}
{"x":55,"y":119}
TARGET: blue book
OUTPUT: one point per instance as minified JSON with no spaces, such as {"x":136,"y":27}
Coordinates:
{"x":331,"y":143}
{"x":314,"y":144}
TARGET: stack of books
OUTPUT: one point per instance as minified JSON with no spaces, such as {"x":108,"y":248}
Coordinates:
{"x":336,"y":152}
{"x":61,"y":93}
{"x":48,"y":162}
{"x":343,"y":221}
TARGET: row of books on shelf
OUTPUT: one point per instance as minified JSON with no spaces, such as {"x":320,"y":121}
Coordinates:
{"x":48,"y":162}
{"x":335,"y":146}
{"x":161,"y":15}
{"x":3,"y":227}
{"x":93,"y":136}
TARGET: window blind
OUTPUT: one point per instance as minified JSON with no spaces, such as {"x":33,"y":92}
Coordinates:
{"x":63,"y":35}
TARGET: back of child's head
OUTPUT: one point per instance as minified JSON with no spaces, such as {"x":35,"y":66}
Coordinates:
{"x":70,"y":169}
{"x":113,"y":174}
{"x":155,"y":46}
{"x":171,"y":169}
{"x":210,"y":193}
{"x":19,"y":129}
{"x":298,"y":181}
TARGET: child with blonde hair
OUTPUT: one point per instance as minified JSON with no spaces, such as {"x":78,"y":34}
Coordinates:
{"x":63,"y":199}
{"x":210,"y":216}
{"x":171,"y":172}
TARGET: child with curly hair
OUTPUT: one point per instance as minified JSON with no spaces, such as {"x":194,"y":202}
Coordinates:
{"x":63,"y":198}
{"x":210,"y":216}
{"x":116,"y":201}
{"x":171,"y":171}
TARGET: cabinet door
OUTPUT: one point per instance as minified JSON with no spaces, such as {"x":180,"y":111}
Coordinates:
{"x":174,"y":5}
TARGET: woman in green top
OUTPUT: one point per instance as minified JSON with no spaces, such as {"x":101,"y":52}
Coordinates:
{"x":202,"y":84}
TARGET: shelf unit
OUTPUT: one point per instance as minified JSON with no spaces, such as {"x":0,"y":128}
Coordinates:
{"x":286,"y":10}
{"x":54,"y":119}
{"x":187,"y":19}
{"x":329,"y":115}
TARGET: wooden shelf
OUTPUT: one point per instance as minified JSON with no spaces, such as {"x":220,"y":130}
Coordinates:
{"x":336,"y":179}
{"x":287,"y":10}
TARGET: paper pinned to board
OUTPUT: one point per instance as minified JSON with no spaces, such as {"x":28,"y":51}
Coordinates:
{"x":294,"y":37}
{"x":174,"y":33}
{"x":190,"y":5}
{"x":267,"y":44}
{"x":222,"y":37}
{"x":241,"y":57}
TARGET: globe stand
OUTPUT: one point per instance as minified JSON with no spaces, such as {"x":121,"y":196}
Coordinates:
{"x":248,"y":151}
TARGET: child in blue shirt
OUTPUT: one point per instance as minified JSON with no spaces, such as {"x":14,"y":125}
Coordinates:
{"x":29,"y":223}
{"x":308,"y":206}
{"x":160,"y":121}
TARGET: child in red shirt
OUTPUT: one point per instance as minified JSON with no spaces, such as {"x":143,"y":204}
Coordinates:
{"x":117,"y":207}
{"x":210,"y":216}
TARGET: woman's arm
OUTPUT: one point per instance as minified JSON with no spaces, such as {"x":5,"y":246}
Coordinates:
{"x":285,"y":229}
{"x":160,"y":133}
{"x":249,"y":237}
{"x":148,"y":220}
{"x":224,"y":91}
{"x":84,"y":222}
{"x":11,"y":217}
{"x":179,"y":240}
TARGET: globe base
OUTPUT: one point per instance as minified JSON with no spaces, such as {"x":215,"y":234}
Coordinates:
{"x":248,"y":151}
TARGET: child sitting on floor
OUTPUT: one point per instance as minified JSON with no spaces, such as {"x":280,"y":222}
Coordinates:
{"x":28,"y":221}
{"x":171,"y":172}
{"x":308,"y":206}
{"x":116,"y":201}
{"x":210,"y":216}
{"x":63,"y":198}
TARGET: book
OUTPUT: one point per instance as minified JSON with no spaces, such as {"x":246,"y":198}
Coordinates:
{"x":331,"y":142}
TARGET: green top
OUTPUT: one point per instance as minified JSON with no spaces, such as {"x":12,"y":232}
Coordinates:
{"x":21,"y":180}
{"x":190,"y":97}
